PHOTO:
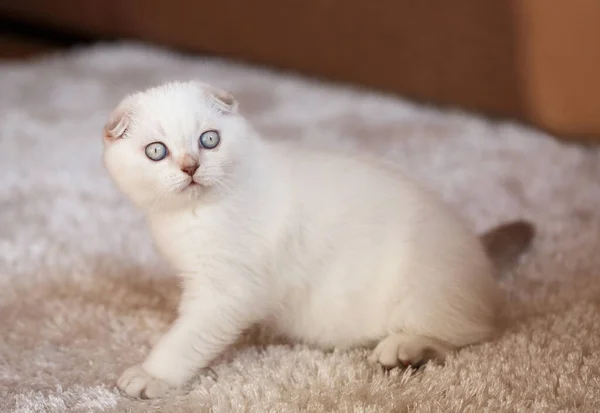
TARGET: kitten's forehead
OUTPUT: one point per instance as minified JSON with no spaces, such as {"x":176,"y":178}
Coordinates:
{"x":176,"y":99}
{"x":175,"y":108}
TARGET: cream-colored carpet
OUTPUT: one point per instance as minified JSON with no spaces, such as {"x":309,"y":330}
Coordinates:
{"x":83,"y":294}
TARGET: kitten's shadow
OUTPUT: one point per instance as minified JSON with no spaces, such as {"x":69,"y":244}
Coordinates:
{"x":125,"y":287}
{"x":118,"y":286}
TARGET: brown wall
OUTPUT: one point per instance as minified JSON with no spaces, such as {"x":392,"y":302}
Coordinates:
{"x":536,"y":60}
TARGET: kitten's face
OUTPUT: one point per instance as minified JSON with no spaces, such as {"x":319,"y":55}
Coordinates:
{"x":171,"y":145}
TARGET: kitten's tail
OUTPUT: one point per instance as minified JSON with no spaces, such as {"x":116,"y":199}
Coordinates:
{"x":506,"y":243}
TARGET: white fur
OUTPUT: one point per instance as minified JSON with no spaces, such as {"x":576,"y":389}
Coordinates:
{"x":331,"y":249}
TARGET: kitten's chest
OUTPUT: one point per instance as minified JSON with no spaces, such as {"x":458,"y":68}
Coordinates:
{"x":184,"y":239}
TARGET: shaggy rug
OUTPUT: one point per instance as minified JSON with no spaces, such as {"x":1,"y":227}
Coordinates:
{"x":83,"y":294}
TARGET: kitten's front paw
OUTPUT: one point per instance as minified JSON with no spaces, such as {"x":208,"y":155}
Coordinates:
{"x":136,"y":382}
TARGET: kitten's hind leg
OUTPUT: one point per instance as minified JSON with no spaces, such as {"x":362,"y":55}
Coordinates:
{"x":408,"y":350}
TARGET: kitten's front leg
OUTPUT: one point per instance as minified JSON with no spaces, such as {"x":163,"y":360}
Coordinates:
{"x":210,"y":320}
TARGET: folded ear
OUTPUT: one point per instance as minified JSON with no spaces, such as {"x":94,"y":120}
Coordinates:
{"x":119,"y":121}
{"x":223,"y":100}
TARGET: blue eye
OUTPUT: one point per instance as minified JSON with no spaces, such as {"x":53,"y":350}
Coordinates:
{"x":209,"y":139}
{"x":156,"y":151}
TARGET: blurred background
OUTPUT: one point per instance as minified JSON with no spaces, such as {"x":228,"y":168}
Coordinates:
{"x":537,"y":61}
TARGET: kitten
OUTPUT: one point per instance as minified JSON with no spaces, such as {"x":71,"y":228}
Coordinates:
{"x":329,"y":249}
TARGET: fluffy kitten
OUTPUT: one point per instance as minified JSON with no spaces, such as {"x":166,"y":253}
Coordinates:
{"x":330,"y":249}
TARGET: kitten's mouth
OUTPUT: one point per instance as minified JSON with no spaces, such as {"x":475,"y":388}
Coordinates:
{"x":191,"y":185}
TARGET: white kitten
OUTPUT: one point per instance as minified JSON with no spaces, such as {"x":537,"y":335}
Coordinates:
{"x":330,"y":249}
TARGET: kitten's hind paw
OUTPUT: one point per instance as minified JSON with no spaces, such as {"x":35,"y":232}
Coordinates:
{"x":136,"y":382}
{"x":402,"y":349}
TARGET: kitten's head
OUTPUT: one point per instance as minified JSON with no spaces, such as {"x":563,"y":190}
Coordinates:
{"x":171,"y":145}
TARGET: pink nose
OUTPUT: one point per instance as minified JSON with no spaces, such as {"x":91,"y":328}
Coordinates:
{"x":190,"y":169}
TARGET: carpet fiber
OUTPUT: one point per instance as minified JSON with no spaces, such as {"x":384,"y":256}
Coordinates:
{"x":83,"y":294}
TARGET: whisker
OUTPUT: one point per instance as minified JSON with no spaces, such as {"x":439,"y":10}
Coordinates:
{"x":225,"y":186}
